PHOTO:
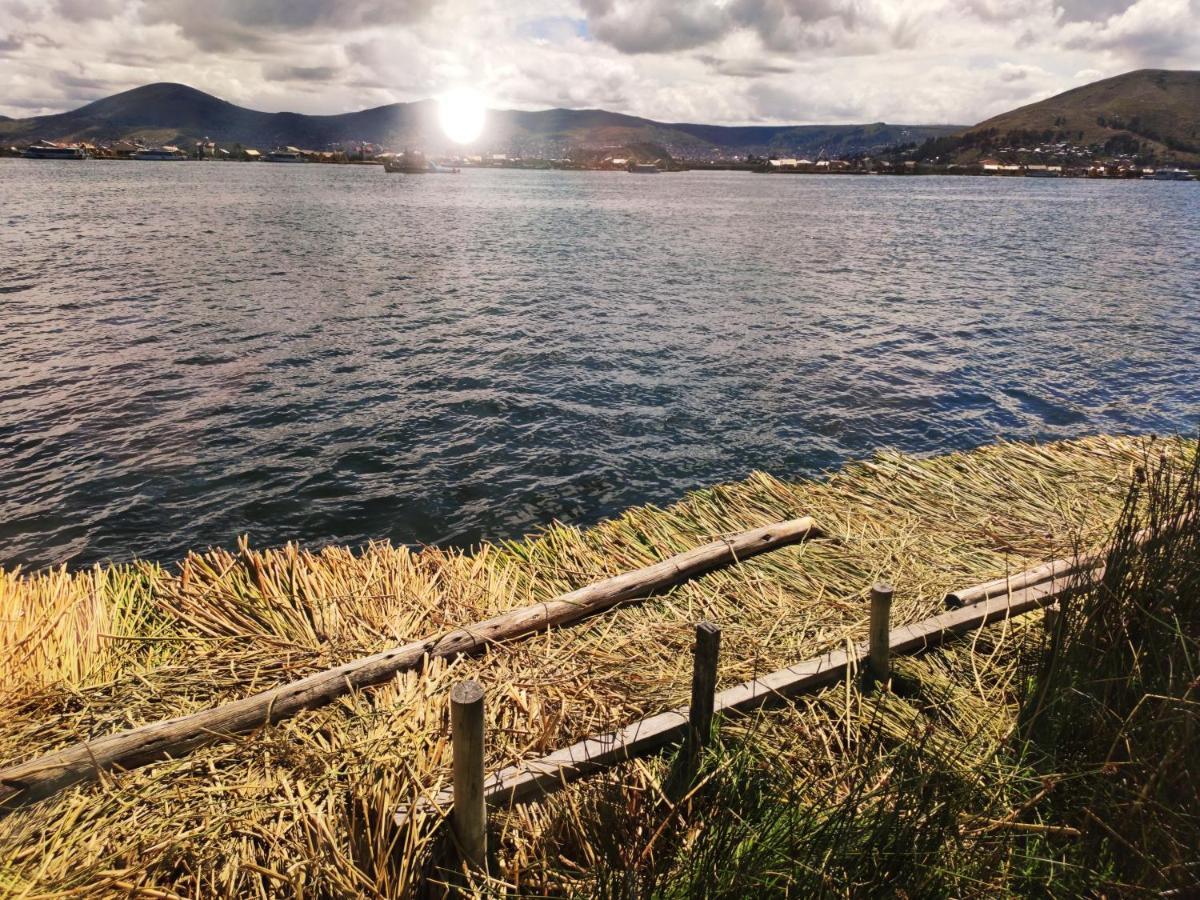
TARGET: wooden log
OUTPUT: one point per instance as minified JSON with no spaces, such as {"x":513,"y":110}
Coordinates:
{"x":469,"y":819}
{"x":38,"y":778}
{"x":532,"y":779}
{"x":1059,"y":569}
{"x":878,"y":635}
{"x":704,"y":688}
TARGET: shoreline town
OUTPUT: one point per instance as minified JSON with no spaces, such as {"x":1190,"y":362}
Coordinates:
{"x":1054,"y":161}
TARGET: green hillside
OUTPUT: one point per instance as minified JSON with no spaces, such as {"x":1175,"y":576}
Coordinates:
{"x":1153,"y":113}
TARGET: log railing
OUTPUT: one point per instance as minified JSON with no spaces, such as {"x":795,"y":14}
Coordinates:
{"x":534,"y":779}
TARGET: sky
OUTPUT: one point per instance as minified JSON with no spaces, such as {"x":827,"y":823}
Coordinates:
{"x":717,"y":61}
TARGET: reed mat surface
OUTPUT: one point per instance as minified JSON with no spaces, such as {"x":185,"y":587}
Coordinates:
{"x":305,"y":807}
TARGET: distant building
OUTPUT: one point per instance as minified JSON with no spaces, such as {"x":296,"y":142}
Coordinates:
{"x":123,"y":149}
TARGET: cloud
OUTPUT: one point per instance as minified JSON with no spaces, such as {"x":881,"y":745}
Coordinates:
{"x":302,"y":73}
{"x":1010,"y":72}
{"x":1152,"y":33}
{"x":19,"y":11}
{"x":784,"y":25}
{"x":1092,"y":10}
{"x":221,"y":25}
{"x":84,"y":86}
{"x":745,"y":68}
{"x":663,"y":26}
{"x":88,"y":10}
{"x":726,"y":61}
{"x":1003,"y":10}
{"x":14,"y":42}
{"x":656,"y":27}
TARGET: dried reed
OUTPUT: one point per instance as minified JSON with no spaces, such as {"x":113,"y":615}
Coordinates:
{"x":305,"y":807}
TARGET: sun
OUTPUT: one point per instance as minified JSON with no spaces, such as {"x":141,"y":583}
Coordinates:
{"x":461,"y":113}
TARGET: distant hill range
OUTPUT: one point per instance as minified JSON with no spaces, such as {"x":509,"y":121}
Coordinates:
{"x":175,"y":113}
{"x":1150,"y":113}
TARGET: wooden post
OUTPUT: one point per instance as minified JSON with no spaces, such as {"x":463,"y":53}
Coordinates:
{"x":469,"y":818}
{"x":704,"y":689}
{"x":878,"y":666}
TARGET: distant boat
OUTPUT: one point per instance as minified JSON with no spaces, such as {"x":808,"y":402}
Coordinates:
{"x":644,"y":168}
{"x":158,"y":154}
{"x":47,"y":150}
{"x":1042,"y":172}
{"x":285,"y":155}
{"x":1173,"y":175}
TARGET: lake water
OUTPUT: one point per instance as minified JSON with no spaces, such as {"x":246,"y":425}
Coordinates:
{"x":334,"y":354}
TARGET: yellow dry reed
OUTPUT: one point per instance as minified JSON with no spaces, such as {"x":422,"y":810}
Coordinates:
{"x":304,"y":808}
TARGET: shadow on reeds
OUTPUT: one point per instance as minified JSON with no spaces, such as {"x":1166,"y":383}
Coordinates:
{"x":1093,"y":788}
{"x":1113,"y":707}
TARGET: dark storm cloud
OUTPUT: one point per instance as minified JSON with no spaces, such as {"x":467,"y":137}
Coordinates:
{"x":10,"y":43}
{"x":222,"y":25}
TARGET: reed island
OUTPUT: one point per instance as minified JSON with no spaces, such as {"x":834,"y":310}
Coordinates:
{"x":1039,"y":735}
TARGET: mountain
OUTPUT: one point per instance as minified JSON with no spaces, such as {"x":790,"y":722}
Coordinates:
{"x":166,"y":112}
{"x":1153,"y":113}
{"x":176,"y":113}
{"x":600,"y":128}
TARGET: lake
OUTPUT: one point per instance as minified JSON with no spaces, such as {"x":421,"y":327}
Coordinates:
{"x":331,"y":354}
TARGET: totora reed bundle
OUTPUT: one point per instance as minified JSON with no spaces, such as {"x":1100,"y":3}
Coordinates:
{"x":306,"y":806}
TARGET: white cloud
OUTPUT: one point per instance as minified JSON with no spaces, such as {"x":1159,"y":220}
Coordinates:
{"x":732,"y":61}
{"x":1151,"y":33}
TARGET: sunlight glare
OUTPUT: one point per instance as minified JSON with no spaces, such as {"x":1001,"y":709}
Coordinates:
{"x":461,"y":113}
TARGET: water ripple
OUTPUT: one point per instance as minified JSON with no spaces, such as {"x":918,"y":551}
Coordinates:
{"x":331,"y":354}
